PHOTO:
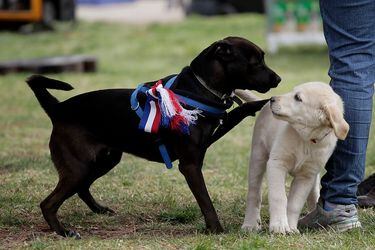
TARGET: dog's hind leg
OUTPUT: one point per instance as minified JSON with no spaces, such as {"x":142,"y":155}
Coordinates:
{"x":85,"y":195}
{"x":65,"y":188}
{"x":106,"y":159}
{"x":72,"y":153}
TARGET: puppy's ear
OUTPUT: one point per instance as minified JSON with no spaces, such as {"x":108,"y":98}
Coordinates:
{"x":337,"y":121}
{"x":223,"y":50}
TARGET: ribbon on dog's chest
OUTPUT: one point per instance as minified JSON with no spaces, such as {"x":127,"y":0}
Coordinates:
{"x":163,"y":109}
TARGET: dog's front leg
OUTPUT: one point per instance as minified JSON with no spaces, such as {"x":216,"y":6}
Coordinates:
{"x":235,"y":116}
{"x":194,"y":177}
{"x":276,"y":174}
{"x":312,"y":198}
{"x":257,"y":167}
{"x":300,"y":188}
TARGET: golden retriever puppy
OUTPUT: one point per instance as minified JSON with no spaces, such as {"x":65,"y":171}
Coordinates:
{"x":295,"y":133}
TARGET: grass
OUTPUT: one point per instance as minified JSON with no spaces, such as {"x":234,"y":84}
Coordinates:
{"x":155,"y":209}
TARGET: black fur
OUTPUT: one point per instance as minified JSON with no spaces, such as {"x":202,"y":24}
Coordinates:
{"x":365,"y":186}
{"x":92,"y":130}
{"x":366,"y":192}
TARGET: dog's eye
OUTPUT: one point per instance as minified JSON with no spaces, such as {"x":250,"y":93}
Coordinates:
{"x":256,"y":65}
{"x":297,"y":98}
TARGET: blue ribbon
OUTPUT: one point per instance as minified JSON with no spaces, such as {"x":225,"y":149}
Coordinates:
{"x":190,"y":102}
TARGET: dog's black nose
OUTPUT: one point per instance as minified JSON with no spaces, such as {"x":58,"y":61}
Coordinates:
{"x":272,"y":99}
{"x":277,"y":79}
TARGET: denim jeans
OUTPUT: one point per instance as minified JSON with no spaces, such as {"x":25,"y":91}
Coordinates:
{"x":349,"y":29}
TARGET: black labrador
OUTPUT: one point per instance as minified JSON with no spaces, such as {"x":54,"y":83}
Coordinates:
{"x":366,"y":192}
{"x":92,"y":130}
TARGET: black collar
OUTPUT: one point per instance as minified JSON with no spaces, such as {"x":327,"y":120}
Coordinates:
{"x":187,"y":84}
{"x":223,"y":96}
{"x":220,"y":95}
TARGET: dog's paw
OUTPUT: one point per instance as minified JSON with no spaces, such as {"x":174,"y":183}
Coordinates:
{"x":251,"y":227}
{"x":280,"y":227}
{"x":216,"y":229}
{"x":73,"y":234}
{"x":108,"y":211}
{"x":104,"y":210}
{"x":294,"y":230}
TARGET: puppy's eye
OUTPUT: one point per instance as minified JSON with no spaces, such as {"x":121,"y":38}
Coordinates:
{"x":297,"y":98}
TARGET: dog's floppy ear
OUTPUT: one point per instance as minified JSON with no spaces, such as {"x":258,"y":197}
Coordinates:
{"x":337,"y":121}
{"x":223,"y":50}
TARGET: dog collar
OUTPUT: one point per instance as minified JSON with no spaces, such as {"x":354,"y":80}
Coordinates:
{"x":212,"y":91}
{"x":316,"y":140}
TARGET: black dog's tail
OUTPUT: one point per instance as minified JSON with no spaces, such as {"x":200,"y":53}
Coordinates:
{"x":39,"y":85}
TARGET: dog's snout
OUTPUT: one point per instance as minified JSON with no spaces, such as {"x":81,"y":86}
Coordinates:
{"x":273,"y":99}
{"x":277,"y":79}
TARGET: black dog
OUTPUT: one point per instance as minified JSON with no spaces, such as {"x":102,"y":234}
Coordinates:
{"x":366,"y":192}
{"x":92,"y":130}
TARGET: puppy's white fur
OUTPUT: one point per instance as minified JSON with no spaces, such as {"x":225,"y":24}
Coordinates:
{"x":246,"y":95}
{"x":295,"y":134}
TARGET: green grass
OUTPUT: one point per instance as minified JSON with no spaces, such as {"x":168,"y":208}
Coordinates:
{"x":155,"y":209}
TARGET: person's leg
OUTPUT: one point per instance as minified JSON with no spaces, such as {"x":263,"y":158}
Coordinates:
{"x":350,"y":35}
{"x":349,"y":28}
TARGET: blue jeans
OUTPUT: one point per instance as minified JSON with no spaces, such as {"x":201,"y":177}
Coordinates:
{"x":349,"y":29}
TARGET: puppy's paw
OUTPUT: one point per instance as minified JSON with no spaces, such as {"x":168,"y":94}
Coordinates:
{"x":280,"y":227}
{"x":294,"y":230}
{"x":251,"y":227}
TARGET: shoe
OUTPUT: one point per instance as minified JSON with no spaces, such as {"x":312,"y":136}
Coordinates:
{"x":341,"y":218}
